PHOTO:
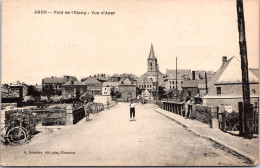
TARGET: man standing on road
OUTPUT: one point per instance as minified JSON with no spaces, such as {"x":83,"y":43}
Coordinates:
{"x":132,"y":110}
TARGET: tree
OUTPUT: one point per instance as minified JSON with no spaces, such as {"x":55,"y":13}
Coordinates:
{"x":112,"y":92}
{"x":58,"y":92}
{"x":118,"y":94}
{"x":32,"y":91}
{"x":161,"y":91}
{"x":138,"y":91}
{"x":48,"y":91}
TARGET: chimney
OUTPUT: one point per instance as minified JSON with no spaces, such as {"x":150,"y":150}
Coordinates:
{"x":193,"y":75}
{"x":224,"y":60}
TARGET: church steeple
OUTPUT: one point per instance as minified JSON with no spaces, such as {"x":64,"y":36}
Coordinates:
{"x":151,"y":61}
{"x":151,"y":55}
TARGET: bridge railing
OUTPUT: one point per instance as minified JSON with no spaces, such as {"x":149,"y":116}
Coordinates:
{"x":202,"y":113}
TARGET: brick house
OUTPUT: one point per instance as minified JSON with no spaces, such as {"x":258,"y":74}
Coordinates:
{"x":94,"y":87}
{"x":225,"y":87}
{"x":127,"y":90}
{"x":57,"y":82}
{"x":73,"y":89}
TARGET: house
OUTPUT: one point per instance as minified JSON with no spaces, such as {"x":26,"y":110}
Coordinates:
{"x":73,"y":89}
{"x":127,"y":90}
{"x":170,"y":82}
{"x":19,"y":85}
{"x":108,"y":86}
{"x":94,"y":87}
{"x":225,"y":87}
{"x":114,"y":78}
{"x":102,"y":78}
{"x":146,"y":84}
{"x":182,"y":73}
{"x":202,"y":88}
{"x":57,"y":82}
{"x":190,"y":88}
{"x":173,"y":94}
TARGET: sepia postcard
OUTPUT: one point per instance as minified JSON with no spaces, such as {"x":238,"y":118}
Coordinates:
{"x":129,"y":83}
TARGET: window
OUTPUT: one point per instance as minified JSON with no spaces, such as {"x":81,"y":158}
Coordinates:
{"x":253,"y":91}
{"x":189,"y":93}
{"x":129,"y":95}
{"x":170,"y":87}
{"x":181,"y":82}
{"x":105,"y":88}
{"x":218,"y":90}
{"x":150,"y":86}
{"x":172,"y":82}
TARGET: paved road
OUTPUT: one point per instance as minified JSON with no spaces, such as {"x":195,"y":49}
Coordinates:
{"x":111,"y":139}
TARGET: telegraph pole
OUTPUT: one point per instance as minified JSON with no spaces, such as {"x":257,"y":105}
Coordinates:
{"x":206,"y":82}
{"x":244,"y":67}
{"x":176,"y":80}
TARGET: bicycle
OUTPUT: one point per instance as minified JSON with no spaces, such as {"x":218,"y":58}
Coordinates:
{"x":14,"y":135}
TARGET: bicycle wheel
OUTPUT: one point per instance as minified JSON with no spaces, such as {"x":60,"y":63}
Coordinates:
{"x":27,"y":133}
{"x":16,"y":135}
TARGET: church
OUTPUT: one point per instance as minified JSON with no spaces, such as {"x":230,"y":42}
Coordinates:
{"x":148,"y":80}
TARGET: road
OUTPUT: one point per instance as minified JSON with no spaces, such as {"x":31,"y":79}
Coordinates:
{"x":110,"y":139}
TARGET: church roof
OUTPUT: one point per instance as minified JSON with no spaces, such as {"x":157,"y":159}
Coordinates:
{"x":151,"y":55}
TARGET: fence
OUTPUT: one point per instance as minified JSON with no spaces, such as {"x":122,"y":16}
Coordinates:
{"x":231,"y":121}
{"x":198,"y":112}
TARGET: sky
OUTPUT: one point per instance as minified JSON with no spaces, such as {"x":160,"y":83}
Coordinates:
{"x":198,"y":32}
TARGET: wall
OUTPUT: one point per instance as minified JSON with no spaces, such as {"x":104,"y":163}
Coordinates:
{"x":171,"y":84}
{"x":230,"y":96}
{"x":226,"y":102}
{"x":235,"y":89}
{"x":69,"y":91}
{"x":194,"y":92}
{"x":102,"y":99}
{"x":106,"y":90}
{"x":95,"y":89}
{"x":125,"y":90}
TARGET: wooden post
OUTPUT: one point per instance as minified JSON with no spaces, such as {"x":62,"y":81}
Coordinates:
{"x":244,"y":68}
{"x":69,"y":115}
{"x":206,"y":82}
